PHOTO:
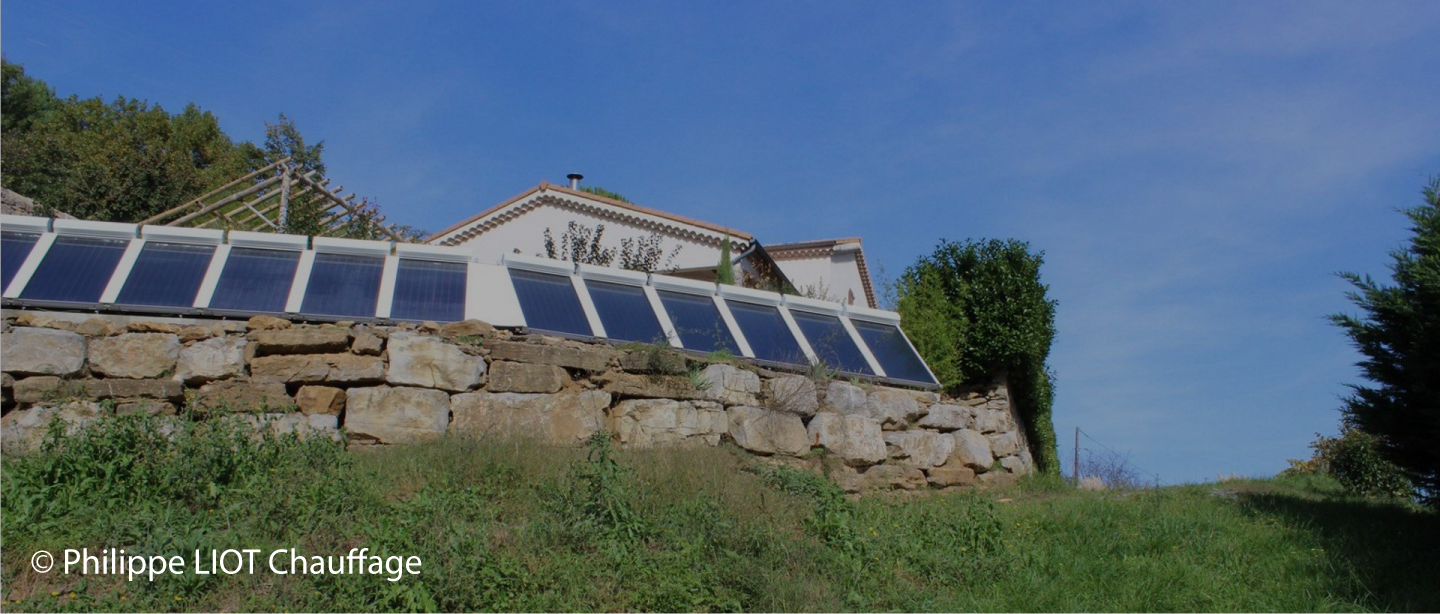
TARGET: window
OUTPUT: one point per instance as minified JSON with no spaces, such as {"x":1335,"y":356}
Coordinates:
{"x":832,"y":343}
{"x":166,"y":275}
{"x":427,"y":290}
{"x":767,"y":333}
{"x":343,"y":285}
{"x":14,"y":248}
{"x":625,"y":311}
{"x":698,"y":322}
{"x":892,"y":351}
{"x":255,"y":280}
{"x":549,"y":302}
{"x":75,"y":269}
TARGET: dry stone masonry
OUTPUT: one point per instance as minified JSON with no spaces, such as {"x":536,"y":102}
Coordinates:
{"x":409,"y":383}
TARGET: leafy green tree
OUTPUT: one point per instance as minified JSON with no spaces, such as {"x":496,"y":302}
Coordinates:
{"x":978,"y":308}
{"x":120,"y":161}
{"x":1398,"y":333}
{"x":724,"y":271}
{"x":24,"y":99}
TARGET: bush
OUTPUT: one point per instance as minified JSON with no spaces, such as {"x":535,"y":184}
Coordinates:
{"x":978,"y":308}
{"x":1355,"y":461}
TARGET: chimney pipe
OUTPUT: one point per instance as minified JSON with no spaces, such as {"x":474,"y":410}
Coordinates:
{"x":574,"y":180}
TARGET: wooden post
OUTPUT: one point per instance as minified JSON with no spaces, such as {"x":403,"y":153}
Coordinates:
{"x":1076,"y":469}
{"x":284,"y":199}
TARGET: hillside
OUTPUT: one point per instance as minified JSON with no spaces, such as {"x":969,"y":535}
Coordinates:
{"x":507,"y":525}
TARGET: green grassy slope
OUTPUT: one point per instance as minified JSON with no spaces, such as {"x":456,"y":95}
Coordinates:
{"x":506,"y":525}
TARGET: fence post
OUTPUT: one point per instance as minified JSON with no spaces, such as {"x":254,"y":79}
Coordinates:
{"x":1075,"y":469}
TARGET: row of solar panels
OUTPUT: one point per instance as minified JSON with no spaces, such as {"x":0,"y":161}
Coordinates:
{"x":121,"y":267}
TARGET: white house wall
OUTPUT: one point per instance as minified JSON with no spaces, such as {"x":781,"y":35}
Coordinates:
{"x":838,"y":272}
{"x":526,"y":232}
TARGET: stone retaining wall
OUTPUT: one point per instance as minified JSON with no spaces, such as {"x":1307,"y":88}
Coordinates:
{"x":407,"y":383}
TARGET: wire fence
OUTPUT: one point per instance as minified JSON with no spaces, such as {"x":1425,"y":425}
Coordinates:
{"x":1104,"y":467}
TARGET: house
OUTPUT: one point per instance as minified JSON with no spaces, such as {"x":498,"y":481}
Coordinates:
{"x":831,"y":269}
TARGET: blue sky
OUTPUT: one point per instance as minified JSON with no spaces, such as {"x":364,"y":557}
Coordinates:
{"x":1194,"y":171}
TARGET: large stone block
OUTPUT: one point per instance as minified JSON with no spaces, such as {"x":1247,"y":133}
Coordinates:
{"x":631,"y":385}
{"x":1014,"y":464}
{"x":730,"y":385}
{"x":920,"y":448}
{"x":992,"y":420}
{"x":1004,"y":444}
{"x":767,"y":432}
{"x":659,"y":422}
{"x":242,"y":396}
{"x":320,"y":400}
{"x":24,"y":430}
{"x":268,"y":323}
{"x":51,"y":389}
{"x":211,"y":360}
{"x":367,"y":342}
{"x":506,"y":376}
{"x":41,"y":351}
{"x":855,"y":439}
{"x":943,"y":417}
{"x":793,"y":394}
{"x":318,"y":368}
{"x":892,"y":477}
{"x":468,"y":329}
{"x":845,"y":398}
{"x":892,"y":407}
{"x":972,"y":450}
{"x":567,"y":418}
{"x":418,"y":360}
{"x":396,"y":415}
{"x":320,"y":340}
{"x":951,"y":475}
{"x":137,"y":355}
{"x":595,"y":358}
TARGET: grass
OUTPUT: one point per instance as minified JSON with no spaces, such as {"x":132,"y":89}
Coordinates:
{"x":514,"y":525}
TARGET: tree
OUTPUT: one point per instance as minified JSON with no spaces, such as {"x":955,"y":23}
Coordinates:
{"x":978,"y":308}
{"x":581,"y":244}
{"x":1398,"y":333}
{"x":24,"y":99}
{"x":724,"y":270}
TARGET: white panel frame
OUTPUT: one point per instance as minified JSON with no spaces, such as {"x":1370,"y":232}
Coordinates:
{"x":882,"y":319}
{"x":799,"y":335}
{"x":666,"y":326}
{"x":189,"y":236}
{"x":490,"y":295}
{"x":301,"y":282}
{"x":212,"y":277}
{"x":352,"y":247}
{"x":266,"y":240}
{"x":735,"y":332}
{"x":24,"y":223}
{"x":864,"y":349}
{"x":680,"y":284}
{"x":386,"y":301}
{"x":122,"y":271}
{"x":539,"y":265}
{"x":32,"y":262}
{"x":97,"y":230}
{"x":872,"y":315}
{"x":597,"y":328}
{"x":433,"y":253}
{"x":750,"y":295}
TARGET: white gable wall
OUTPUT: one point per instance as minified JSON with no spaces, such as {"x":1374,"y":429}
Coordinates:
{"x":526,"y":232}
{"x":837,"y":271}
